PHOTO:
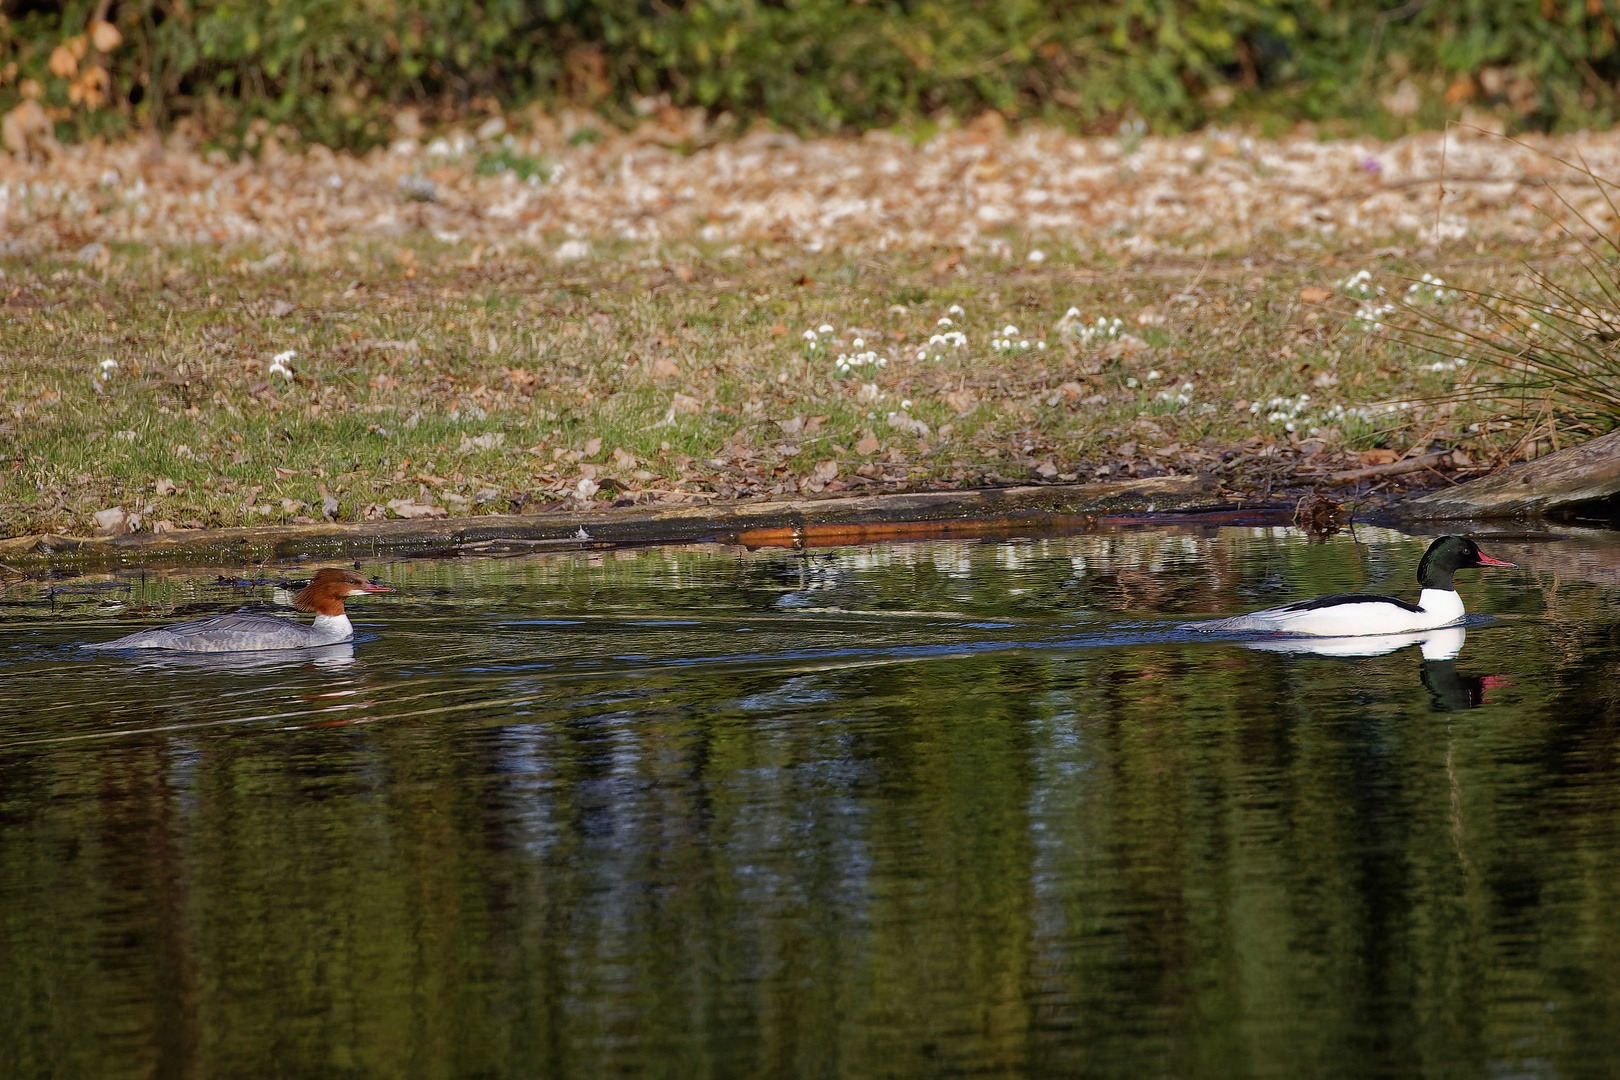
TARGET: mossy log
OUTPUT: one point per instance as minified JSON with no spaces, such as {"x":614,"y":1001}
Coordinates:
{"x":1585,"y":477}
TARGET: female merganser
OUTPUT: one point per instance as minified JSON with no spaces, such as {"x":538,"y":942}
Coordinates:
{"x":1357,"y":614}
{"x":245,"y":632}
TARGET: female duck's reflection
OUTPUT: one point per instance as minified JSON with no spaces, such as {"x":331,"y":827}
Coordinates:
{"x":1451,"y":690}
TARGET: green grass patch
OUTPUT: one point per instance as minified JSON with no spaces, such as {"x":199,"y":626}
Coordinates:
{"x":420,"y":375}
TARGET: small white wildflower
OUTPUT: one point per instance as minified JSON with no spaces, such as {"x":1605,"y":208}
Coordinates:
{"x":109,"y":365}
{"x":810,"y":335}
{"x":955,"y":309}
{"x":1072,"y":313}
{"x":1040,"y":344}
{"x":1023,"y":344}
{"x":922,"y":354}
{"x":825,"y":329}
{"x":905,"y":403}
{"x":944,"y":322}
{"x":1009,"y":331}
{"x":1154,"y":376}
{"x":858,"y":343}
{"x":1132,"y":383}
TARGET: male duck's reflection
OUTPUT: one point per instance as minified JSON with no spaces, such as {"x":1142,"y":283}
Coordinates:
{"x":1451,"y":690}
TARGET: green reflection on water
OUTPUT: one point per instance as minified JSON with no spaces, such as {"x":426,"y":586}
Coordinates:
{"x":908,"y":811}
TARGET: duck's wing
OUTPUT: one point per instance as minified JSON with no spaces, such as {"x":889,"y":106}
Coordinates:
{"x":1337,"y":614}
{"x":231,"y":630}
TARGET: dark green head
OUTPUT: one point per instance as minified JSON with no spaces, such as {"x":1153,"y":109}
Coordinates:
{"x":1448,"y":555}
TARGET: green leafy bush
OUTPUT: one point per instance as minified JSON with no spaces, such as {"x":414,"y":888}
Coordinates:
{"x":331,"y":68}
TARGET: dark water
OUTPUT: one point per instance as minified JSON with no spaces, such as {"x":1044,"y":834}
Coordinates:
{"x":922,"y":810}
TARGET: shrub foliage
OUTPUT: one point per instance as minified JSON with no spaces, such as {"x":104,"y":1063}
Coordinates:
{"x":331,"y":67}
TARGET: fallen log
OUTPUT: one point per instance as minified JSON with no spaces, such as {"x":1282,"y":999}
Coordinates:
{"x":1393,"y":468}
{"x":1028,"y":508}
{"x":1567,"y":479}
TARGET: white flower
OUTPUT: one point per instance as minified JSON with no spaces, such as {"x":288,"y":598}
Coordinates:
{"x":944,"y":322}
{"x":824,"y":329}
{"x":284,"y":357}
{"x":1153,"y":376}
{"x":810,"y":335}
{"x":1132,"y":383}
{"x":108,"y":365}
{"x":859,"y":343}
{"x":922,"y":354}
{"x":955,"y":309}
{"x":905,"y":403}
{"x":1009,"y":331}
{"x":1072,"y":313}
{"x":278,"y":368}
{"x":1040,"y":344}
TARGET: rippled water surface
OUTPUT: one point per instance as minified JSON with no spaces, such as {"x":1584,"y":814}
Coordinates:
{"x":914,"y":810}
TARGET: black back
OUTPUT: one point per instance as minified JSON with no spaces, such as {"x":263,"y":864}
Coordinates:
{"x":1347,"y":598}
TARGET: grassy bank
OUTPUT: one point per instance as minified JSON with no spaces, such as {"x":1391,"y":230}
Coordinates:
{"x":428,"y":380}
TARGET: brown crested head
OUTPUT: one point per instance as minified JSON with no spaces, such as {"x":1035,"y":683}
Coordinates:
{"x":325,"y":592}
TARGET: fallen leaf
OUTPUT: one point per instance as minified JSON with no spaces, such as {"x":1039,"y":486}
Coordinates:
{"x":1315,"y":294}
{"x":904,"y":421}
{"x":1379,"y":456}
{"x":164,"y":486}
{"x":285,"y":474}
{"x":592,"y":447}
{"x":1124,"y":345}
{"x":826,"y":470}
{"x":684,"y":403}
{"x":113,"y":521}
{"x":104,"y":35}
{"x":410,"y":508}
{"x":961,"y":401}
{"x":293,"y":506}
{"x":623,"y":459}
{"x":813,"y":424}
{"x":587,"y":488}
{"x":779,"y":330}
{"x":487,"y":441}
{"x":665,"y":368}
{"x":868,"y":446}
{"x":791,"y":427}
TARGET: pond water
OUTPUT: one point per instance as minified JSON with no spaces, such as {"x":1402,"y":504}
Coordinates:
{"x":911,"y":810}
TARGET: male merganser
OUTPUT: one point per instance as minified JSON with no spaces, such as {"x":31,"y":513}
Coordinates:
{"x":1357,"y":614}
{"x":246,"y":632}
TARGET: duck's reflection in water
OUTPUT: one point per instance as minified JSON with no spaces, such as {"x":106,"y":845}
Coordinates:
{"x":1452,"y":691}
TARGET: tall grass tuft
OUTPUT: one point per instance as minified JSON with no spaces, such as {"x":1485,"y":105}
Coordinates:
{"x":1541,"y":360}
